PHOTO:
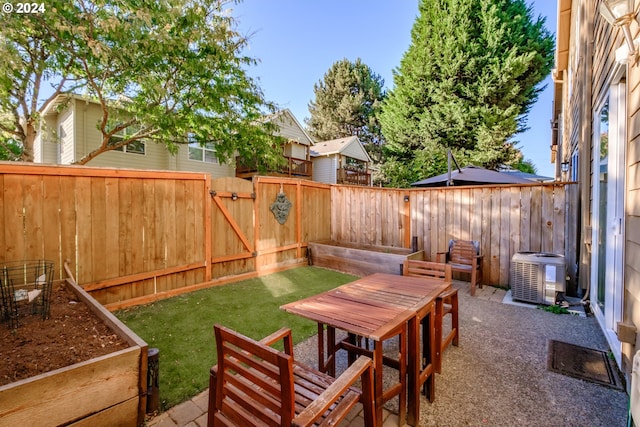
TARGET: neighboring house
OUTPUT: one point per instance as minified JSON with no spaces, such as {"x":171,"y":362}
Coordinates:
{"x":69,"y":130}
{"x":596,"y":142}
{"x":341,"y":161}
{"x":296,"y":152}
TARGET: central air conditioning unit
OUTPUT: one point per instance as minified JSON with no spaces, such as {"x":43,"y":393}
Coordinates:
{"x":537,"y":276}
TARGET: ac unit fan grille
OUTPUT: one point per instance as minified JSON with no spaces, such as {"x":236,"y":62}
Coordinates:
{"x":525,"y":281}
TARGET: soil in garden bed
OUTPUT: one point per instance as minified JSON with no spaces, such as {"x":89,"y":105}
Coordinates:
{"x":72,"y":334}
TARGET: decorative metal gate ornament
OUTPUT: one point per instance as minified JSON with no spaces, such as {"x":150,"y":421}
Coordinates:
{"x":281,"y":207}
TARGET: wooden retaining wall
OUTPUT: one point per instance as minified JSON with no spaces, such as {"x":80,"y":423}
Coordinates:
{"x":132,"y":236}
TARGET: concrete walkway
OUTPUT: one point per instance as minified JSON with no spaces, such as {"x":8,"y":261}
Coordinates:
{"x":193,"y":413}
{"x":496,"y":377}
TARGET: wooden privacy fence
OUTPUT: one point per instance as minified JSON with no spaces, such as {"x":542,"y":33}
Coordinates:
{"x":135,"y":236}
{"x":504,"y":219}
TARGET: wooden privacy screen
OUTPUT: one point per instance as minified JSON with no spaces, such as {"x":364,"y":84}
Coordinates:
{"x":504,"y":219}
{"x":135,"y":236}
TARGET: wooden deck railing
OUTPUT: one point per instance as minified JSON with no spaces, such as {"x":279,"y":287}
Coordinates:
{"x":353,"y":176}
{"x":294,"y":168}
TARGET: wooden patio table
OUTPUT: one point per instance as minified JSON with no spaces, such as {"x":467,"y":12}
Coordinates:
{"x":379,"y":307}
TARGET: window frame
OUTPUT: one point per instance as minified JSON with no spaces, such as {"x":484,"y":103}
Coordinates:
{"x":207,"y":152}
{"x":130,"y":147}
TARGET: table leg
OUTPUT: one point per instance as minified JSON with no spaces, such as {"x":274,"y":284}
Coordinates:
{"x":322,"y":361}
{"x":402,"y":371}
{"x":331,"y":350}
{"x":377,"y":379}
{"x":413,"y":384}
{"x":429,"y":354}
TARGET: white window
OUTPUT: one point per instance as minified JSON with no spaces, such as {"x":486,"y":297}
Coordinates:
{"x":135,"y":147}
{"x":206,"y":153}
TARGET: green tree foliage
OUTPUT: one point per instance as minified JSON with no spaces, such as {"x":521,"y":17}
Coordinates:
{"x":466,"y":83}
{"x":32,"y":61}
{"x":525,"y":165}
{"x":10,"y":148}
{"x":170,"y":72}
{"x":347,"y":103}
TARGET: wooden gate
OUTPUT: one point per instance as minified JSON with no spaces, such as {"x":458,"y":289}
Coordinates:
{"x":233,"y":246}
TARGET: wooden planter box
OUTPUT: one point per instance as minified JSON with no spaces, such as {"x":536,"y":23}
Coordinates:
{"x":106,"y":390}
{"x":360,"y":260}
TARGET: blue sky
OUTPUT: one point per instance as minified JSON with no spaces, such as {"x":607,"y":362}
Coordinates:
{"x":297,"y":41}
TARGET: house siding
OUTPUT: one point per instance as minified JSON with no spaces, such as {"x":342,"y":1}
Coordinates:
{"x":289,"y":129}
{"x":183,"y":163}
{"x":66,"y":139}
{"x":586,"y":81}
{"x":297,"y":151}
{"x":632,"y":217}
{"x":45,"y":144}
{"x":356,"y":151}
{"x":325,"y":169}
{"x":90,"y":138}
{"x":80,"y":121}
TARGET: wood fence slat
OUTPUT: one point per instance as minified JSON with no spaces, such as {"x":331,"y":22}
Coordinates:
{"x":514,"y":221}
{"x":98,"y":226}
{"x":476,"y":214}
{"x":525,"y":219}
{"x":33,"y":221}
{"x":547,"y":222}
{"x":149,"y":242}
{"x":536,"y":218}
{"x":505,"y":236}
{"x":558,"y":220}
{"x":112,"y":227}
{"x":84,"y":254}
{"x":52,"y":226}
{"x":125,"y":231}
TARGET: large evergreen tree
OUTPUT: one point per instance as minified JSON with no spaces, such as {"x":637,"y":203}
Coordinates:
{"x":347,"y":103}
{"x":466,"y":83}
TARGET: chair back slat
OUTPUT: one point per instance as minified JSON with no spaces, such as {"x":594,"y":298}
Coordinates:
{"x":254,"y":381}
{"x":431,"y":269}
{"x":463,"y":251}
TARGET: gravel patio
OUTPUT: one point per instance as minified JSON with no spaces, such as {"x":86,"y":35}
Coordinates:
{"x":498,"y":375}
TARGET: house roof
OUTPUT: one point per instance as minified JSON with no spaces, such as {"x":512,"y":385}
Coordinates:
{"x":471,"y":175}
{"x":338,"y":146}
{"x":60,"y":99}
{"x":530,"y":176}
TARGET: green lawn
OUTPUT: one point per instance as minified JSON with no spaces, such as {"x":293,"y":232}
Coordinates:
{"x":182,"y":327}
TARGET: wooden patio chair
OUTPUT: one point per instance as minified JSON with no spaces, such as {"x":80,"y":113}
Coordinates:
{"x":464,"y":256}
{"x":254,"y":384}
{"x":446,"y":303}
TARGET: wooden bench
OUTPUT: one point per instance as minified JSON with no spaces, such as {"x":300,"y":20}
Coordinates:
{"x":254,"y":384}
{"x":446,"y":303}
{"x":464,"y":256}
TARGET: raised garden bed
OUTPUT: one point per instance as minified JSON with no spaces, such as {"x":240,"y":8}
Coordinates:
{"x":104,"y":381}
{"x":360,"y":260}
